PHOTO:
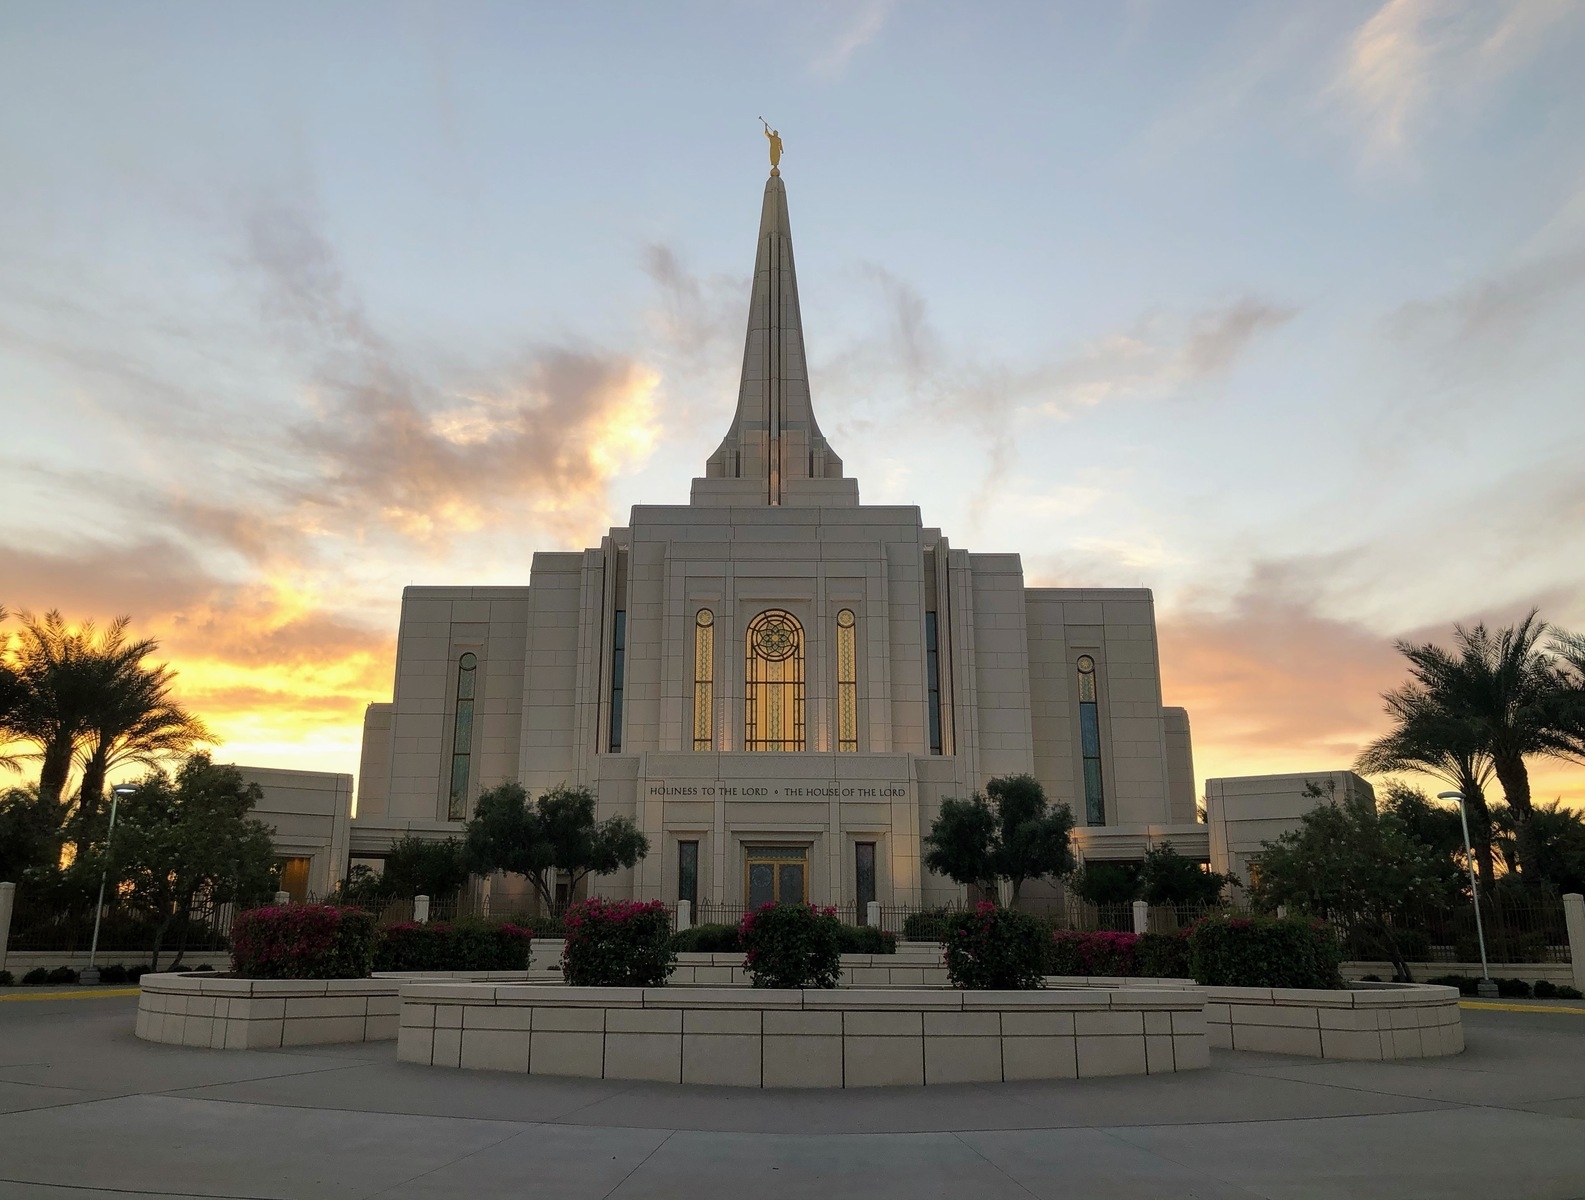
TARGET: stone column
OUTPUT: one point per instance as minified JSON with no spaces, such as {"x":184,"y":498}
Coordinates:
{"x":283,"y":898}
{"x":684,"y":915}
{"x":872,"y":914}
{"x":1141,"y":917}
{"x":8,"y":895}
{"x":421,"y":909}
{"x":1573,"y":912}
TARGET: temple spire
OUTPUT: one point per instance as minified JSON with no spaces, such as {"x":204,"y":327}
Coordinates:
{"x":774,"y":435}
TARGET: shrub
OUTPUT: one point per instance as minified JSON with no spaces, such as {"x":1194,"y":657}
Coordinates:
{"x":459,"y":946}
{"x":1513,"y":989}
{"x":36,"y":976}
{"x":927,"y":926}
{"x":136,"y":973}
{"x":303,"y":941}
{"x":1164,"y":955}
{"x":866,"y":939}
{"x":994,"y":947}
{"x":1264,"y":952}
{"x":61,"y":975}
{"x":7,"y":979}
{"x":1544,"y":989}
{"x":115,"y":973}
{"x":1568,"y":992}
{"x":1466,"y":984}
{"x":617,"y":943}
{"x":707,"y":939}
{"x":792,"y":946}
{"x":540,"y":925}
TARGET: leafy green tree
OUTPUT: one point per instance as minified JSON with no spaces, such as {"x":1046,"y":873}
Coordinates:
{"x":1166,"y":877}
{"x":1352,"y":864}
{"x":179,"y":841}
{"x":556,"y":832}
{"x":30,"y":833}
{"x":1434,"y":825}
{"x":1106,"y":882}
{"x":1010,"y":832}
{"x":413,"y":867}
{"x":1554,"y":849}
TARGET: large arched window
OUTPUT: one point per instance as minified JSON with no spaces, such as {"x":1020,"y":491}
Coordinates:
{"x":774,"y":709}
{"x":1090,"y":743}
{"x":462,"y":738}
{"x":847,"y":683}
{"x":704,"y":680}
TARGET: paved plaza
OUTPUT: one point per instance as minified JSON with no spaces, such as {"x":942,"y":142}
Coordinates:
{"x":88,"y":1111}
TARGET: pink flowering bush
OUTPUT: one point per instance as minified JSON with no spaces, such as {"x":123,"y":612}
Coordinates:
{"x":792,"y":946}
{"x":302,"y":941}
{"x":617,"y":943}
{"x":1141,"y":955}
{"x":997,"y":948}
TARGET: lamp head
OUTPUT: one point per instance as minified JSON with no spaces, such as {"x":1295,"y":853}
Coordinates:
{"x":1459,"y":796}
{"x":124,"y":789}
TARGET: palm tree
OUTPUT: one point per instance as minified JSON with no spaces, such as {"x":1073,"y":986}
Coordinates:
{"x":1570,"y":715}
{"x":133,"y":721}
{"x":1505,"y":690}
{"x":85,"y":698}
{"x":1429,"y":740}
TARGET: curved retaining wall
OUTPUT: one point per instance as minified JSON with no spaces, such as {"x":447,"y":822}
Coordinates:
{"x":200,"y":1009}
{"x":1364,"y":1021}
{"x":843,"y":1037}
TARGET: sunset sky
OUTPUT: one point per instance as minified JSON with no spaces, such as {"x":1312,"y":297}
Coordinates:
{"x":1277,"y":309}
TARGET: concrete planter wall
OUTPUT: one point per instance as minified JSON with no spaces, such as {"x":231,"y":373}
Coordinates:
{"x":751,"y":1037}
{"x":1373,"y":1021}
{"x":199,"y":1009}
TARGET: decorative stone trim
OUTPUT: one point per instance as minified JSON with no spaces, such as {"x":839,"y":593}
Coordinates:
{"x":201,"y":1009}
{"x":843,"y":1037}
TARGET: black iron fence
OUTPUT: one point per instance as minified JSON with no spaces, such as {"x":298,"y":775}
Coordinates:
{"x":44,"y":926}
{"x":1518,"y":929}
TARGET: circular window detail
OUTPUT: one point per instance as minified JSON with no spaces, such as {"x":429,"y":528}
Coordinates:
{"x":775,"y":639}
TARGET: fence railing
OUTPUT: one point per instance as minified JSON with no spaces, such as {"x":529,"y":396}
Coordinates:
{"x":1526,"y":929}
{"x":41,"y":926}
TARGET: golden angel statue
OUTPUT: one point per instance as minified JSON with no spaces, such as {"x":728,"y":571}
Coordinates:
{"x":774,"y":137}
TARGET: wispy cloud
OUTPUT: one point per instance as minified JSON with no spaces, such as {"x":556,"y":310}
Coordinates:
{"x":1410,"y":54}
{"x":863,"y":23}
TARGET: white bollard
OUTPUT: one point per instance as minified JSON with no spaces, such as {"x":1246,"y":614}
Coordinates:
{"x":684,"y":915}
{"x":421,"y":909}
{"x":872,"y":914}
{"x":8,"y":897}
{"x":1573,"y":914}
{"x":1141,"y":917}
{"x":1282,"y":912}
{"x":282,"y":898}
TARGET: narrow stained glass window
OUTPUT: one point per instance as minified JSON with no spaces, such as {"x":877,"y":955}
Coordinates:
{"x":933,"y":681}
{"x":774,"y":695}
{"x":864,"y":889}
{"x":703,"y":680}
{"x":618,"y":675}
{"x":847,"y":683}
{"x":1090,"y":743}
{"x":462,"y":738}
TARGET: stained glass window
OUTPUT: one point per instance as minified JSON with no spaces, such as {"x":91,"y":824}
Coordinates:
{"x":618,"y":677}
{"x":703,"y":680}
{"x":864,"y":890}
{"x":847,"y":683}
{"x":462,"y":738}
{"x":774,"y":693}
{"x":688,"y":873}
{"x":1090,"y":743}
{"x":933,"y":681}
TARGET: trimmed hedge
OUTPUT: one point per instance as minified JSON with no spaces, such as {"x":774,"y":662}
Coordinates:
{"x":707,"y":939}
{"x":927,"y":926}
{"x":458,"y":946}
{"x":792,"y":946}
{"x":1264,"y":952}
{"x":1128,"y":955}
{"x":866,"y":939}
{"x":997,"y":948}
{"x":617,"y":943}
{"x":303,"y":941}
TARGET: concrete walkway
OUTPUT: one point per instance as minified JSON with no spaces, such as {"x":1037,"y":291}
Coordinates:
{"x":87,"y":1111}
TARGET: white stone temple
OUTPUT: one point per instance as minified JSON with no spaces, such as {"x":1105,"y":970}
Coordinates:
{"x":778,"y":682}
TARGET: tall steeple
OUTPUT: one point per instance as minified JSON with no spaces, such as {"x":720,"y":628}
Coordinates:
{"x":774,"y":438}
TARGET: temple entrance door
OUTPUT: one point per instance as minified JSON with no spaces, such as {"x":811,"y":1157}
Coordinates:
{"x":777,"y":875}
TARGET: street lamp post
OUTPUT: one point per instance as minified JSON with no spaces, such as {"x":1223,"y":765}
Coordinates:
{"x":1487,"y":985}
{"x":91,"y":971}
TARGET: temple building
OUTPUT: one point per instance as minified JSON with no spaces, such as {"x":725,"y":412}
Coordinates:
{"x":777,"y":682}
